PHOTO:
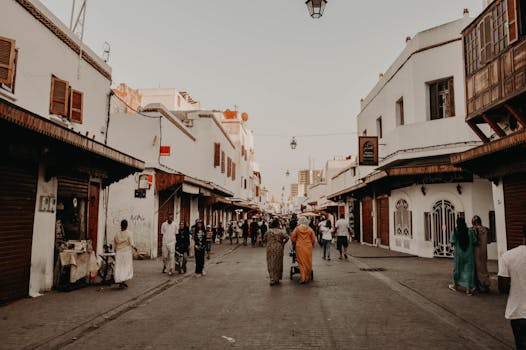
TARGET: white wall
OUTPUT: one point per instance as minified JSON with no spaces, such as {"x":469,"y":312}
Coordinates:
{"x":475,"y":199}
{"x":42,"y":54}
{"x":43,"y":243}
{"x":500,"y":218}
{"x":140,"y":213}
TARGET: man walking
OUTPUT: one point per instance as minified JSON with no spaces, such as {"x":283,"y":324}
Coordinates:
{"x":254,"y":232}
{"x":168,"y":248}
{"x":512,"y":273}
{"x":342,"y":236}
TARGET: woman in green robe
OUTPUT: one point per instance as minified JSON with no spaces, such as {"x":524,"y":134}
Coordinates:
{"x":464,"y":241}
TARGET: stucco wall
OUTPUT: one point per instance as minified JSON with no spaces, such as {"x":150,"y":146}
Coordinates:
{"x":140,"y":212}
{"x":476,"y":198}
{"x":42,"y":54}
{"x":42,"y":250}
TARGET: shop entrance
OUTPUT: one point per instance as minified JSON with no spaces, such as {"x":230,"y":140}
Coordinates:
{"x":367,"y":219}
{"x":93,"y":213}
{"x":18,"y":189}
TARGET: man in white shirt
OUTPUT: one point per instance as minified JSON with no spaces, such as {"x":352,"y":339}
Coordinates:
{"x":342,"y":235}
{"x":512,"y":279}
{"x":168,"y":230}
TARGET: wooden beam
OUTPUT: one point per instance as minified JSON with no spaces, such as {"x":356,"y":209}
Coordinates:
{"x":479,"y":132}
{"x":516,"y":115}
{"x":498,"y":130}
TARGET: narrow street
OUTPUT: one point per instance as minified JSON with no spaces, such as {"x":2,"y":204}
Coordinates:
{"x":344,"y":308}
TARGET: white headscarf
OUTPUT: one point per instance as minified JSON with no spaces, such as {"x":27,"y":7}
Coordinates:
{"x":303,"y":221}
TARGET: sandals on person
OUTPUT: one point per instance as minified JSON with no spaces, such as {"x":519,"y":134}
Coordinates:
{"x":453,"y":287}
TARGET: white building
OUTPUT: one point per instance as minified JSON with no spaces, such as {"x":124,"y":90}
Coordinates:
{"x":53,"y":115}
{"x":410,"y":201}
{"x":199,"y":164}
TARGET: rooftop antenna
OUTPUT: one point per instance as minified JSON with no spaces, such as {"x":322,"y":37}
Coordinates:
{"x":76,"y":25}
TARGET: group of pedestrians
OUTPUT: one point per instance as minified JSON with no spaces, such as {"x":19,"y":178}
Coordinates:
{"x":179,"y":240}
{"x":326,"y":234}
{"x":470,"y":271}
{"x":303,"y":237}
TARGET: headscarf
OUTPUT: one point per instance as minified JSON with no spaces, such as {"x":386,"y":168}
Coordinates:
{"x":462,"y":233}
{"x":303,"y":221}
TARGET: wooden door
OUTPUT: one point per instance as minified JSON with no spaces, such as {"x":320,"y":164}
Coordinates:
{"x":515,"y":209}
{"x":93,"y":213}
{"x":382,"y":220}
{"x":166,"y":207}
{"x":367,"y":219}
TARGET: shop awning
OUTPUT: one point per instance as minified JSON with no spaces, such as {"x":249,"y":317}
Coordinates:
{"x":502,"y":144}
{"x":406,"y":169}
{"x":495,"y":159}
{"x":40,"y":125}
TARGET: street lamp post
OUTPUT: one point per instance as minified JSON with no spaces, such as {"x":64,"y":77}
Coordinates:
{"x":316,"y":7}
{"x":293,"y":143}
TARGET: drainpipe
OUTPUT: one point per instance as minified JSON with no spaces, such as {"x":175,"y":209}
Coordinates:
{"x":108,"y":117}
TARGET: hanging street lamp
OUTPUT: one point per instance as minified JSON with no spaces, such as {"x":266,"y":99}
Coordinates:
{"x":316,"y":7}
{"x":293,"y":143}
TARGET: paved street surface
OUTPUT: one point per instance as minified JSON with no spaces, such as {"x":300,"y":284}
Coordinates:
{"x":406,"y":306}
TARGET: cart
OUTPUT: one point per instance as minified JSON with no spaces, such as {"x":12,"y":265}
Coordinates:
{"x":294,"y":268}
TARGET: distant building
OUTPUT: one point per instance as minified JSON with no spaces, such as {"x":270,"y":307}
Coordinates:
{"x":294,"y":190}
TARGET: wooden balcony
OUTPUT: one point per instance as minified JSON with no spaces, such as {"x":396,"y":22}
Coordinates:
{"x":499,"y":81}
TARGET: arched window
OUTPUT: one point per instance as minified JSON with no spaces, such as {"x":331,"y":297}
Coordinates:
{"x":403,"y":219}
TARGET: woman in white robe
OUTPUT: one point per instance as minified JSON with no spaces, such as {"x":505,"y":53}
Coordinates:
{"x":123,"y":245}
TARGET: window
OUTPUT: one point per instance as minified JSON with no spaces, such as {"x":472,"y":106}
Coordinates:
{"x":441,"y":99}
{"x":7,"y":61}
{"x":217,"y":154}
{"x":471,"y":45}
{"x":11,"y":87}
{"x":500,"y":27}
{"x":402,"y":219}
{"x":58,"y":103}
{"x":400,"y":111}
{"x":76,"y":101}
{"x":233,"y":171}
{"x":245,"y":184}
{"x":229,"y":167}
{"x":379,"y":127}
{"x":223,"y":162}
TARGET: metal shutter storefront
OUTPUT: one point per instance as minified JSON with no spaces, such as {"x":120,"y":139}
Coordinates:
{"x":515,"y":206}
{"x":18,"y":186}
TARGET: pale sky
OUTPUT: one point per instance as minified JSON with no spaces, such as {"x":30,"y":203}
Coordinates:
{"x":292,"y":74}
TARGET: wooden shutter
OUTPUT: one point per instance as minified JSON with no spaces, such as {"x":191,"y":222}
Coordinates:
{"x":7,"y":60}
{"x":427,"y":226}
{"x":58,"y":103}
{"x":450,"y":108}
{"x":76,"y":102}
{"x":217,"y":154}
{"x":223,"y":162}
{"x":513,"y":23}
{"x":233,"y":171}
{"x":229,"y":167}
